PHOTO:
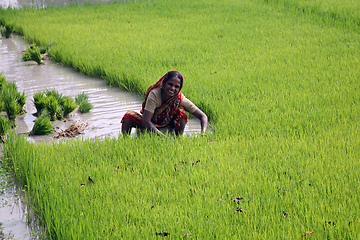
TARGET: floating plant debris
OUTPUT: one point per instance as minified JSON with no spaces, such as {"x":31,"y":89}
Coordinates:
{"x":75,"y":128}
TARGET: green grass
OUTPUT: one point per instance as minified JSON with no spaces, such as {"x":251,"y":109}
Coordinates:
{"x":301,"y":177}
{"x":279,"y":81}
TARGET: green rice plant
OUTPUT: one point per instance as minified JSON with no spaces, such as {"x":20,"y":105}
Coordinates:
{"x":52,"y":92}
{"x":21,"y":100}
{"x":270,"y":191}
{"x":7,"y":30}
{"x":42,"y":126}
{"x":36,"y":56}
{"x":60,"y":113}
{"x":4,"y":126}
{"x":68,"y":105}
{"x":32,"y":53}
{"x":26,"y":56}
{"x":11,"y":100}
{"x":39,"y":102}
{"x":85,"y":107}
{"x":82,"y":99}
{"x":9,"y":95}
{"x":52,"y":105}
{"x":57,"y":105}
{"x":45,"y":49}
{"x":11,"y":108}
{"x":2,"y":81}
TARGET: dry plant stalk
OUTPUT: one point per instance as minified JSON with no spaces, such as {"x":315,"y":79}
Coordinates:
{"x":75,"y":128}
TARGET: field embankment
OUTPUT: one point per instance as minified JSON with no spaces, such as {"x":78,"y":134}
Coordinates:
{"x":280,"y":87}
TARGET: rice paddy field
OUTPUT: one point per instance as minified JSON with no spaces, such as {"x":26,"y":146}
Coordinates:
{"x":279,"y":81}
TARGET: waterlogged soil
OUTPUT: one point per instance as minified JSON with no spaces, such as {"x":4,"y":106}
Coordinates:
{"x":110,"y":104}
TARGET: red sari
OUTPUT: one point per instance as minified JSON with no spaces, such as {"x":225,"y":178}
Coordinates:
{"x":169,"y":112}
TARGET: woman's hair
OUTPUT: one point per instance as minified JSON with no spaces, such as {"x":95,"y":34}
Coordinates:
{"x":172,"y":74}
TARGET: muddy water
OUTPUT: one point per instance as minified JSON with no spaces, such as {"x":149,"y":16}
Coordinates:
{"x":110,"y":104}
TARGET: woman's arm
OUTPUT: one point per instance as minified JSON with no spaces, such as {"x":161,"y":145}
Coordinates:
{"x":146,"y":122}
{"x":203,"y":118}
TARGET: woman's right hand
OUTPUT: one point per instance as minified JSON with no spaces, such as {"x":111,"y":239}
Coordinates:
{"x":146,"y":122}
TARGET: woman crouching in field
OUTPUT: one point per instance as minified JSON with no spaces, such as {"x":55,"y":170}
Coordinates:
{"x":164,"y":106}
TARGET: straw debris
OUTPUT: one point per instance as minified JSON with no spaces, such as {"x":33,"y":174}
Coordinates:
{"x":75,"y":128}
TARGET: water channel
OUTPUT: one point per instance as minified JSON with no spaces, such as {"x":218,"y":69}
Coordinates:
{"x":110,"y":104}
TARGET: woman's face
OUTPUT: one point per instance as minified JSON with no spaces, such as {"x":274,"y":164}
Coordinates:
{"x":172,"y":87}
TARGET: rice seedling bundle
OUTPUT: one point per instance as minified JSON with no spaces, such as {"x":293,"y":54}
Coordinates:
{"x":11,"y":100}
{"x":39,"y":102}
{"x":42,"y":126}
{"x":279,"y":85}
{"x":2,"y":81}
{"x":6,"y":31}
{"x":68,"y":105}
{"x":4,"y":126}
{"x":56,"y":104}
{"x":52,"y":105}
{"x":82,"y":99}
{"x":85,"y":107}
{"x":32,"y":54}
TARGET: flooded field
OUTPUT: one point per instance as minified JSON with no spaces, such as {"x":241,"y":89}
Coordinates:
{"x":110,"y":104}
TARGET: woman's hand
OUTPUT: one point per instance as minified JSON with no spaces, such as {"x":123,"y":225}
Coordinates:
{"x":203,"y":119}
{"x":146,"y":123}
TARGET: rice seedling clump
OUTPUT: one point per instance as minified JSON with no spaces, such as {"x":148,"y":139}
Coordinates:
{"x":56,"y":104}
{"x":4,"y":126}
{"x":6,"y":31}
{"x":12,"y":101}
{"x":82,"y":99}
{"x":68,"y":105}
{"x":42,"y":126}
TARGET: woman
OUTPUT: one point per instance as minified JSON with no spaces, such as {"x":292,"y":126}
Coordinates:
{"x":164,"y":106}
